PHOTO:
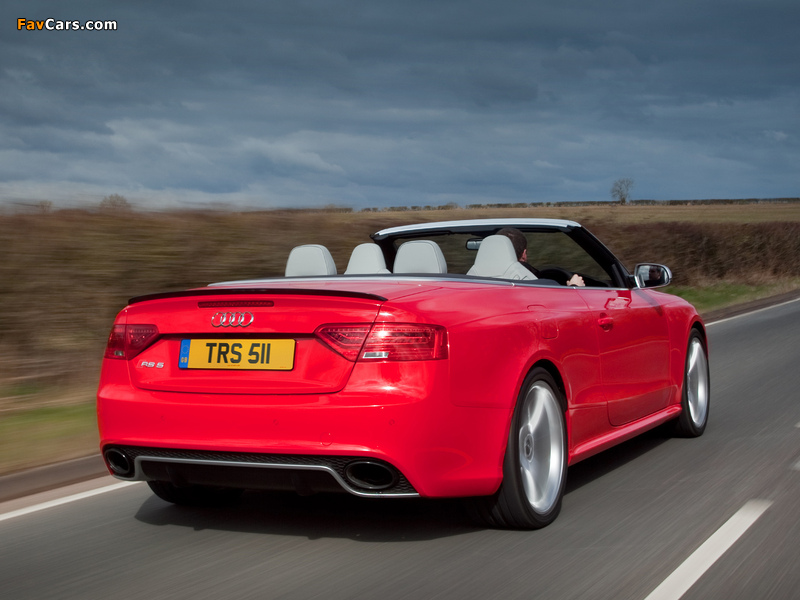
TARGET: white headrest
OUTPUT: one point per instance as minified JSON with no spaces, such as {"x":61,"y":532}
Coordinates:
{"x":366,"y":259}
{"x":311,"y":259}
{"x":496,"y":258}
{"x":420,"y":256}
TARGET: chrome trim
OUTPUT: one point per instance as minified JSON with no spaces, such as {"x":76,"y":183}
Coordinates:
{"x":339,"y":279}
{"x":139,"y":475}
{"x":477,"y":223}
{"x":389,"y":279}
{"x":232,"y":319}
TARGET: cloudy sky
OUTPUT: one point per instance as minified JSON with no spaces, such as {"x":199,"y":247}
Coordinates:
{"x":370,"y":103}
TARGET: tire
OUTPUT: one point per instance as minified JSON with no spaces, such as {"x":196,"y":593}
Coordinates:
{"x":535,"y":465}
{"x":194,"y":495}
{"x":696,"y":394}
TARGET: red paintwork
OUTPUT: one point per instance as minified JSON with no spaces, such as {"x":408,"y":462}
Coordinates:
{"x":443,"y":423}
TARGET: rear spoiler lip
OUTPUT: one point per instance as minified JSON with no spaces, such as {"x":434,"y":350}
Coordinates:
{"x":250,"y":291}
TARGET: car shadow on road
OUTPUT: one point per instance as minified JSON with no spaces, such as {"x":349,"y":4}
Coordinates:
{"x":368,"y":520}
{"x":599,"y":465}
{"x":320,"y":516}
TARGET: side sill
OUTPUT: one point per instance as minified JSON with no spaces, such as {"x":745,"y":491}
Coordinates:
{"x":621,"y":434}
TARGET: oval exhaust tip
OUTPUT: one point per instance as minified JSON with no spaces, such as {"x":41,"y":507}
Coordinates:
{"x":368,"y":475}
{"x":119,"y":462}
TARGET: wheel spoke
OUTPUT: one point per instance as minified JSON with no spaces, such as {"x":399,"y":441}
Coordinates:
{"x":697,"y":383}
{"x":532,"y":486}
{"x":535,"y":420}
{"x":692,"y":358}
{"x":541,"y":448}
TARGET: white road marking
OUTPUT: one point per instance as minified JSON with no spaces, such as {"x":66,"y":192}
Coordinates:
{"x":66,"y":500}
{"x":747,"y":314}
{"x":685,"y":576}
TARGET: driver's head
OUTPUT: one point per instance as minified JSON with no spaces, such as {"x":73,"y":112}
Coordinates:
{"x":518,"y":240}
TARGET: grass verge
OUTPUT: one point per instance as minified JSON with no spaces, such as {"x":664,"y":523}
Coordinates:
{"x":724,"y":294}
{"x":39,"y":436}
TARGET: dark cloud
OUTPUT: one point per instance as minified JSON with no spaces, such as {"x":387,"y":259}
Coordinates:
{"x":371,"y":103}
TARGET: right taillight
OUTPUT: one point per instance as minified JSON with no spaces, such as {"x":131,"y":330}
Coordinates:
{"x":386,"y":341}
{"x":126,"y":341}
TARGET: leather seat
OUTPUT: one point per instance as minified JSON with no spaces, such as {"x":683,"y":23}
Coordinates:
{"x":308,"y":260}
{"x":366,"y":259}
{"x":496,"y":258}
{"x":420,"y":256}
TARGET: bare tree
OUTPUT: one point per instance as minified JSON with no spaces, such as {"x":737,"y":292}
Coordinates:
{"x":115,"y":203}
{"x":621,"y":190}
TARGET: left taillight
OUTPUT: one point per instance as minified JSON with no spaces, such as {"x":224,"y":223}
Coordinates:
{"x":386,"y":341}
{"x":127,"y":341}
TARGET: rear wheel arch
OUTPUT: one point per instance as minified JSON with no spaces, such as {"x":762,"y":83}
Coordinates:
{"x":535,"y":458}
{"x":552,"y":369}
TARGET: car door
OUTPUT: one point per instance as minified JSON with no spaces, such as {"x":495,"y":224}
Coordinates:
{"x":632,"y":333}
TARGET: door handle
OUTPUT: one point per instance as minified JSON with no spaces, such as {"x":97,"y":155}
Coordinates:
{"x":606,"y":323}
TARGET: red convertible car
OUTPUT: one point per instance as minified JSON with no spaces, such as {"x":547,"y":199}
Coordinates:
{"x":436,"y":365}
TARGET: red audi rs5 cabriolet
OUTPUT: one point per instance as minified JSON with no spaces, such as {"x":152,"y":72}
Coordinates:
{"x":438,"y":364}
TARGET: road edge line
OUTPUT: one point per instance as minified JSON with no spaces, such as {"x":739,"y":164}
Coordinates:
{"x":66,"y":500}
{"x":687,"y":574}
{"x":752,"y":312}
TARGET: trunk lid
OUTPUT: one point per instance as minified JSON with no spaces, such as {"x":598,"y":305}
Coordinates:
{"x":245,"y":341}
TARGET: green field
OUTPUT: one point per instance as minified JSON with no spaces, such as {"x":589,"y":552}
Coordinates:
{"x":66,"y":274}
{"x":41,"y":435}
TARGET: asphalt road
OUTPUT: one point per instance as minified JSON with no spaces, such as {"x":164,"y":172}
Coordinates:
{"x":631,"y":517}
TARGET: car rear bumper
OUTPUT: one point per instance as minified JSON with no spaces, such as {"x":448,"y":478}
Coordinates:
{"x":305,"y":474}
{"x":425,"y":444}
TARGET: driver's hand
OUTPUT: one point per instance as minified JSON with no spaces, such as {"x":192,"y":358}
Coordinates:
{"x":576,"y":280}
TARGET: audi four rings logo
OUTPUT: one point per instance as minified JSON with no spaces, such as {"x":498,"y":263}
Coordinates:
{"x":232,"y":319}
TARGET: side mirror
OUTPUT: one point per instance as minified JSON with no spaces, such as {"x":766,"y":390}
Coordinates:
{"x":651,"y":275}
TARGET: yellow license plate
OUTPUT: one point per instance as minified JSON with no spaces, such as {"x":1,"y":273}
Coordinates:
{"x":267,"y":355}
